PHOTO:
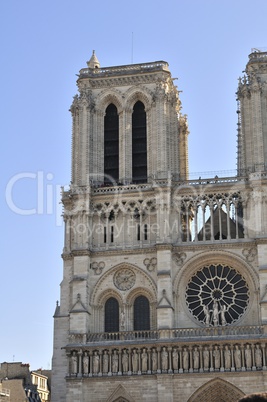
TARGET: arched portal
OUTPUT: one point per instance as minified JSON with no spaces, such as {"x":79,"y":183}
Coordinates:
{"x":216,"y":390}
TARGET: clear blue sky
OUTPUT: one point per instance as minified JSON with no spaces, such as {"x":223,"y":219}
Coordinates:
{"x":44,"y":44}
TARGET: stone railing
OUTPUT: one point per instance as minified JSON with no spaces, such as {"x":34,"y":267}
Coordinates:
{"x":165,"y":358}
{"x":173,"y":334}
{"x":121,"y":70}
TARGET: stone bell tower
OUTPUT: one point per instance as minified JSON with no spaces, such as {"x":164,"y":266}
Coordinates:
{"x":129,"y":141}
{"x":252,"y":97}
{"x":164,"y":279}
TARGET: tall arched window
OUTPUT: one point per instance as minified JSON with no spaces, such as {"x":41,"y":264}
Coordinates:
{"x":111,"y":144}
{"x":111,"y":315}
{"x":139,"y":146}
{"x":141,"y":314}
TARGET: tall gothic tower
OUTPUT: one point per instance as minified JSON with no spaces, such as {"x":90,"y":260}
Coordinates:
{"x":164,"y":278}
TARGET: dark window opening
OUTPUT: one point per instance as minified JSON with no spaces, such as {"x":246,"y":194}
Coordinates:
{"x":141,"y":314}
{"x":139,"y":144}
{"x":145,"y":232}
{"x":105,"y":234}
{"x":112,"y":315}
{"x":138,"y":232}
{"x":111,"y":145}
{"x":112,"y":234}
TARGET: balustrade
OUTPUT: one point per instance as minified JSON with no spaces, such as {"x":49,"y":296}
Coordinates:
{"x":176,"y":333}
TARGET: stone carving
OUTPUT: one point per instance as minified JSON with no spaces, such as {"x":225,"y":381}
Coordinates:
{"x":250,"y":254}
{"x":85,"y":364}
{"x":164,"y":359}
{"x":206,"y":358}
{"x":237,"y":357}
{"x":74,"y":363}
{"x":122,"y":321}
{"x":150,"y":263}
{"x":115,"y":362}
{"x":105,"y":362}
{"x":124,"y":279}
{"x":217,"y":357}
{"x":258,"y":356}
{"x":95,"y":363}
{"x":179,"y":258}
{"x":196,"y":358}
{"x":154,"y":360}
{"x":175,"y":359}
{"x":144,"y":360}
{"x":248,"y":357}
{"x":98,"y":267}
{"x":215,"y":313}
{"x":222,"y":311}
{"x":135,"y":361}
{"x":185,"y":359}
{"x":227,"y":358}
{"x":207,"y":315}
{"x":124,"y":360}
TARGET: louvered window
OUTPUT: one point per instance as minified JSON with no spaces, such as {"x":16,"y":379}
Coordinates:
{"x":111,"y":145}
{"x":139,"y":146}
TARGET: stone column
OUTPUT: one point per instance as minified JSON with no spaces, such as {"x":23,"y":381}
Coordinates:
{"x":100,"y":362}
{"x":232,"y":358}
{"x":170,"y":360}
{"x":120,"y":369}
{"x":80,"y":353}
{"x":253,"y":357}
{"x":243,"y":368}
{"x":222,"y":360}
{"x":211,"y":359}
{"x":263,"y":356}
{"x":200,"y":359}
{"x":159,"y":362}
{"x":91,"y":363}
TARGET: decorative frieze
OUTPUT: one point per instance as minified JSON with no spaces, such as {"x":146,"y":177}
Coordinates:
{"x":166,"y":359}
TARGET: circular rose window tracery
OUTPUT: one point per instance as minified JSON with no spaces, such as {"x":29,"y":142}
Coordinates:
{"x":217,"y":295}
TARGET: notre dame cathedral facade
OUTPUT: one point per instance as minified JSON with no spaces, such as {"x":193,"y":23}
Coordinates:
{"x":164,"y":291}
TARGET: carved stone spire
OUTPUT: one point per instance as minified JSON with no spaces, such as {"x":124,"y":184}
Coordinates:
{"x":93,"y":62}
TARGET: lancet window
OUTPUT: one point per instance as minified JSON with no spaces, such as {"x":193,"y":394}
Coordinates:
{"x":111,"y":145}
{"x":141,"y":314}
{"x":139,"y":144}
{"x":112,"y":315}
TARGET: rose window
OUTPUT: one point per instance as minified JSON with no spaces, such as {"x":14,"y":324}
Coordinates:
{"x":217,"y":295}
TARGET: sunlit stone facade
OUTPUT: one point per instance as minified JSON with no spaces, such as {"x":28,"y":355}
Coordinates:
{"x":163,"y":296}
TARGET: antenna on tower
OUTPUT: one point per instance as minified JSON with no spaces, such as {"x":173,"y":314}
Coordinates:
{"x":132,"y":49}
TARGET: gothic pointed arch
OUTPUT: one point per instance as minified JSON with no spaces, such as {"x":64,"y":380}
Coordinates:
{"x":120,"y":395}
{"x":109,"y":96}
{"x":135,"y":94}
{"x":217,"y":390}
{"x":109,"y":283}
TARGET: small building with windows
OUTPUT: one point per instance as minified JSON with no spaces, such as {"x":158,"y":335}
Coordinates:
{"x":163,"y":296}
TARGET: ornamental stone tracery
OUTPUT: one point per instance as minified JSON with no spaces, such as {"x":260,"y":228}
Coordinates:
{"x":124,"y":279}
{"x":217,"y":295}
